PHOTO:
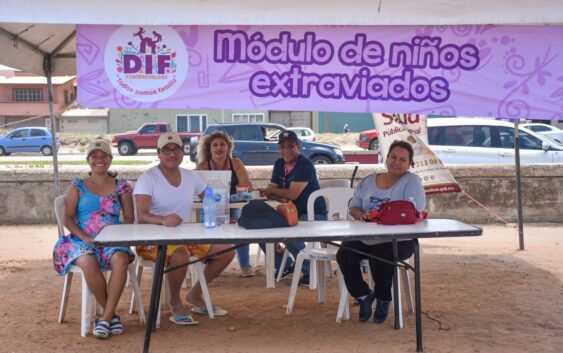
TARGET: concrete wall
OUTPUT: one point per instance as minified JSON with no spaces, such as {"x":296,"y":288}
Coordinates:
{"x":26,"y":197}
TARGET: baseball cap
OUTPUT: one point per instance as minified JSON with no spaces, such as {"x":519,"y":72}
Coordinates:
{"x":169,"y":137}
{"x":288,"y":136}
{"x":98,"y":145}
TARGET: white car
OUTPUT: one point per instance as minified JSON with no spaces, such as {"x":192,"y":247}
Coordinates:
{"x":550,"y":131}
{"x":304,"y":134}
{"x":478,"y":141}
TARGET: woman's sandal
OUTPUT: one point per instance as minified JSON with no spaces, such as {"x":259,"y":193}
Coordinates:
{"x":183,"y":320}
{"x":101,"y":329}
{"x":115,"y":326}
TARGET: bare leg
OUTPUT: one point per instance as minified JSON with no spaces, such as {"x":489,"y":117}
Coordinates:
{"x":94,"y":277}
{"x":119,"y":264}
{"x":212,"y":271}
{"x":175,"y":279}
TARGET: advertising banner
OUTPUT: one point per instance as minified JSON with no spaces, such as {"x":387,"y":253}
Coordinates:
{"x":412,"y":128}
{"x":499,"y":71}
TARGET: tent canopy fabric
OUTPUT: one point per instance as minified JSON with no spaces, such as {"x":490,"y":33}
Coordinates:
{"x":288,"y":12}
{"x":33,"y":29}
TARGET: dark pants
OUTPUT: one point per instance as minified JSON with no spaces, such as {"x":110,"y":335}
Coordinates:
{"x":382,"y":273}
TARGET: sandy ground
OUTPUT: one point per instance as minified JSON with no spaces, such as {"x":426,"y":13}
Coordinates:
{"x":478,"y":294}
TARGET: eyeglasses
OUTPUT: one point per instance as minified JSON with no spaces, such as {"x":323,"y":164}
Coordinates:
{"x":99,"y":156}
{"x":169,"y":151}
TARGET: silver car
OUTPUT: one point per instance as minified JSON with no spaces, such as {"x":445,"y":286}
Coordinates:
{"x":478,"y":140}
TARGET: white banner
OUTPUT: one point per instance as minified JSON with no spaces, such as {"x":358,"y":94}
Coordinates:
{"x":412,"y":128}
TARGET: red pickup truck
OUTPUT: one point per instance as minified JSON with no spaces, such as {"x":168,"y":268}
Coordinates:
{"x":147,"y":137}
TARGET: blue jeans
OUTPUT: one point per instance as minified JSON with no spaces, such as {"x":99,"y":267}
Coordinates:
{"x":243,"y":253}
{"x":294,"y":248}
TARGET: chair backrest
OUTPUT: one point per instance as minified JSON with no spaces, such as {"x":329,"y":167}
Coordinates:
{"x":337,"y":200}
{"x":59,"y":213}
{"x":335,"y":183}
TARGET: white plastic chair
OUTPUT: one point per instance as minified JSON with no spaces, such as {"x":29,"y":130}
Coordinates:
{"x":335,"y":183}
{"x":337,"y":200}
{"x":86,"y":313}
{"x":141,"y":263}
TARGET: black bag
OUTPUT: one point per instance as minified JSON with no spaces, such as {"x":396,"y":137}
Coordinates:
{"x":259,"y":215}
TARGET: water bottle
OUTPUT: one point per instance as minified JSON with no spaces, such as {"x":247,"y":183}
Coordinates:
{"x":221,"y":197}
{"x":209,"y":216}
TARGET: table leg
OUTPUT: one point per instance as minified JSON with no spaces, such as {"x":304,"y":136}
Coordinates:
{"x":396,"y":306}
{"x":417,"y":296}
{"x":155,"y":295}
{"x":270,"y":268}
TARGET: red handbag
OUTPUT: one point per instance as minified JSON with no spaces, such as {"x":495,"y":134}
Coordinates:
{"x":396,"y":212}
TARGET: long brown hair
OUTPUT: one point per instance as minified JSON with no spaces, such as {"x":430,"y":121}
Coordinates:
{"x":204,"y":152}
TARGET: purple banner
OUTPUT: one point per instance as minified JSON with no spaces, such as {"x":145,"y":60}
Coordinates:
{"x":496,"y":71}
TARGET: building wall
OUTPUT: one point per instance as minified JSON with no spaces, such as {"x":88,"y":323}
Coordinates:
{"x":16,"y":113}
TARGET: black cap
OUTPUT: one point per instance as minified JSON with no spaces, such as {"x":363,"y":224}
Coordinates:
{"x":288,"y":136}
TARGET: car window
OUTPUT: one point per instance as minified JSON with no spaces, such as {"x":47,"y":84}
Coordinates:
{"x":527,"y":141}
{"x":148,"y":129}
{"x":458,"y":135}
{"x":481,"y":136}
{"x":306,"y":133}
{"x":163,"y":128}
{"x":19,"y":133}
{"x":434,"y":133}
{"x":37,"y":132}
{"x":247,"y":133}
{"x":229,"y":130}
{"x":272,"y":133}
{"x":538,"y":128}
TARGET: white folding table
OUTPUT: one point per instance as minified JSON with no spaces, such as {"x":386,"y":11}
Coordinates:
{"x":318,"y":231}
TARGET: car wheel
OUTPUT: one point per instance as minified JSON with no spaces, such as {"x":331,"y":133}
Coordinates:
{"x":46,"y":150}
{"x":187,"y":148}
{"x":125,"y":148}
{"x":321,"y":160}
{"x":374,"y":144}
{"x":3,"y":151}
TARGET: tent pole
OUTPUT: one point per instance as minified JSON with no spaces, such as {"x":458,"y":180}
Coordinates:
{"x":518,"y":184}
{"x":48,"y":69}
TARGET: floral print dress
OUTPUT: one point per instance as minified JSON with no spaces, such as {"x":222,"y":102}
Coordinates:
{"x":93,"y":212}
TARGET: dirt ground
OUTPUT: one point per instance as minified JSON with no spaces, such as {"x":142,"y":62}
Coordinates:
{"x":478,"y":294}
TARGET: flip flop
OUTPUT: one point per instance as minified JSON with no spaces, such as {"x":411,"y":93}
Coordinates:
{"x":183,"y":320}
{"x":217,"y":311}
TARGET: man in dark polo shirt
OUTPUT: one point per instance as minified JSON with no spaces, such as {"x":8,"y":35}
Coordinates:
{"x":294,"y":178}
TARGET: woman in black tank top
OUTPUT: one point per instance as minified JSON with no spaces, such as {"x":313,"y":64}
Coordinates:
{"x":216,"y":154}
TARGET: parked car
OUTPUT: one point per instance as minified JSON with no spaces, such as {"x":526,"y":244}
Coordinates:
{"x":478,"y":141}
{"x":304,"y":133}
{"x":368,"y":140}
{"x":147,"y":137}
{"x":550,"y":131}
{"x":28,"y":139}
{"x":257,"y":144}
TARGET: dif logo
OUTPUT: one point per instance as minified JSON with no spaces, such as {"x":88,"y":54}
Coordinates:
{"x":146,"y":63}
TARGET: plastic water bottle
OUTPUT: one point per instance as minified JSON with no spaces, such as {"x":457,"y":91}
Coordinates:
{"x":209,"y":216}
{"x":221,"y":197}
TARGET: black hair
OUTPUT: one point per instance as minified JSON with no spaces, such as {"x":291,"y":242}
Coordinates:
{"x":111,"y":173}
{"x":405,"y":145}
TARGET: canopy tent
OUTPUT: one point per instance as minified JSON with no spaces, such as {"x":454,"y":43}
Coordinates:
{"x":40,"y":37}
{"x":33,"y":29}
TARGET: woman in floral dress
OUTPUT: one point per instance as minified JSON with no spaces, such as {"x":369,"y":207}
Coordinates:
{"x":90,"y":204}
